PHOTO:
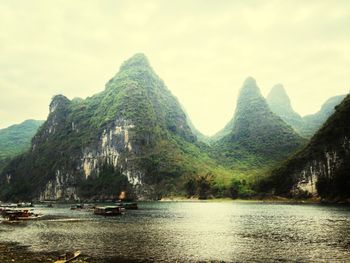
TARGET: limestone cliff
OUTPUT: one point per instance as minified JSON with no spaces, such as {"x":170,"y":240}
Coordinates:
{"x":322,"y":167}
{"x":112,"y":141}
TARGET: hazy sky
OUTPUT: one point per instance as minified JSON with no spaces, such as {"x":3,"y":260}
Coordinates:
{"x":203,"y":50}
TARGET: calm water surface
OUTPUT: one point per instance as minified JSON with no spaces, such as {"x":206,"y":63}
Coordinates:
{"x":195,"y":231}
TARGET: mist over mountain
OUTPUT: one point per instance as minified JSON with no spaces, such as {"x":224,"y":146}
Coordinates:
{"x":313,"y":122}
{"x":279,"y":102}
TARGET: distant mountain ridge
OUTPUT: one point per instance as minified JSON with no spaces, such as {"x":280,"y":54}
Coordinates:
{"x":306,"y":126}
{"x":279,"y":102}
{"x":315,"y":121}
{"x":322,"y":168}
{"x":16,"y":138}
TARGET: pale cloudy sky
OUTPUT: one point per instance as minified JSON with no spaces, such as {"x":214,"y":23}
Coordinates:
{"x":203,"y":50}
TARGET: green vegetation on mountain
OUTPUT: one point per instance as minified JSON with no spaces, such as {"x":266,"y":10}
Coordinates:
{"x":16,"y":138}
{"x":323,"y":162}
{"x":135,"y":126}
{"x":134,"y":136}
{"x":257,"y":137}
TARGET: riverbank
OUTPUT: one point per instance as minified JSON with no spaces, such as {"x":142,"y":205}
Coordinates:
{"x":270,"y":199}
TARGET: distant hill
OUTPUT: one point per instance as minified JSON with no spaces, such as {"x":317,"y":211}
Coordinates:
{"x":314,"y":121}
{"x":322,"y":168}
{"x":16,"y":138}
{"x":306,"y":126}
{"x":255,"y":137}
{"x":279,"y":102}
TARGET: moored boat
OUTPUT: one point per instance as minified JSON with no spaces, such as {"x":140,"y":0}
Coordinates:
{"x":19,"y":215}
{"x":128,"y":205}
{"x":109,"y":210}
{"x":77,"y":207}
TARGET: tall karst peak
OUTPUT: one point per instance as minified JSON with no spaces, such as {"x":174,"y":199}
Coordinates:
{"x":278,"y":95}
{"x":249,"y":88}
{"x":133,"y":136}
{"x":249,"y":94}
{"x":138,"y":72}
{"x":250,"y":99}
{"x":138,"y":60}
{"x":280,"y":104}
{"x":58,"y":102}
{"x":255,"y":136}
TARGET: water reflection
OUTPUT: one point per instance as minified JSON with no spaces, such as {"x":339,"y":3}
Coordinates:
{"x":196,"y":231}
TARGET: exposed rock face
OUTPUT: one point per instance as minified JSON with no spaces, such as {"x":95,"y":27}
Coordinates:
{"x":114,"y":147}
{"x":322,"y":167}
{"x":61,"y":187}
{"x":114,"y":133}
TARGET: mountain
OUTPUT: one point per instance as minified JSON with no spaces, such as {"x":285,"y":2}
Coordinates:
{"x":133,"y":136}
{"x":322,"y":168}
{"x":306,"y":126}
{"x":314,"y":121}
{"x":280,"y":104}
{"x":255,"y":137}
{"x":16,"y":138}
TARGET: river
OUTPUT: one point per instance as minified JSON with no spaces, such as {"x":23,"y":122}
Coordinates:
{"x":194,"y":231}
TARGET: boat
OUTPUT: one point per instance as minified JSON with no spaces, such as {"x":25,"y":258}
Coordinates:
{"x":19,"y":215}
{"x":77,"y":207}
{"x":109,"y":210}
{"x":25,"y":204}
{"x":68,"y":257}
{"x":128,"y":205}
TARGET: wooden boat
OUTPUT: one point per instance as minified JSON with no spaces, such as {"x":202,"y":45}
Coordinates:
{"x":77,"y":207}
{"x":128,"y":205}
{"x":109,"y":210}
{"x":25,"y":204}
{"x":68,"y":257}
{"x":19,"y":215}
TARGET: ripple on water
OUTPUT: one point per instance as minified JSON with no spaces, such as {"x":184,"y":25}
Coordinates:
{"x":195,"y":231}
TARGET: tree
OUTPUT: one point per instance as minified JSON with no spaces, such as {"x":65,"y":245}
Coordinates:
{"x":190,"y":187}
{"x":204,"y":185}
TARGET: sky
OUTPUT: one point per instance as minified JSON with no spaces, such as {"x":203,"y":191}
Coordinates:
{"x":203,"y":50}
